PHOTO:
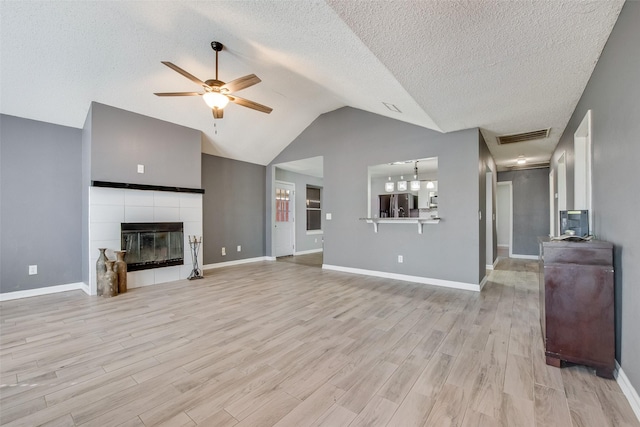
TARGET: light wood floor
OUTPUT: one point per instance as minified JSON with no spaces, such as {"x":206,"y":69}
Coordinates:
{"x":277,"y":343}
{"x":310,"y":260}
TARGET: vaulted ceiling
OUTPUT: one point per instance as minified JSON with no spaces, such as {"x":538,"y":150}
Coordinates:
{"x":505,"y":67}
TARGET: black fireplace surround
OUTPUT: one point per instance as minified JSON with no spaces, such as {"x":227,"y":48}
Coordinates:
{"x":152,"y":244}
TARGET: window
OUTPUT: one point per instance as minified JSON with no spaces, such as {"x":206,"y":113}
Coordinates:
{"x":283,"y":197}
{"x":314,"y":211}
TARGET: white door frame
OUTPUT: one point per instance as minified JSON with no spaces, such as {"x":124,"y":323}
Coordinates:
{"x":582,"y":194}
{"x":552,"y":203}
{"x":280,"y":184}
{"x":509,"y":184}
{"x":561,"y":202}
{"x":489,"y":261}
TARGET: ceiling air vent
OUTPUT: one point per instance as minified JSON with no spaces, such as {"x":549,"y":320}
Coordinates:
{"x":525,"y":136}
{"x":529,"y":166}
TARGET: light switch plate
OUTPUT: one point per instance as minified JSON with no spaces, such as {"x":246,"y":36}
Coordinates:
{"x":328,"y":217}
{"x":33,"y":269}
{"x":140,"y":168}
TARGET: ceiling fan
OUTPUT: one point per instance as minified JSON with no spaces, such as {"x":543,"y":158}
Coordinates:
{"x":217,"y":94}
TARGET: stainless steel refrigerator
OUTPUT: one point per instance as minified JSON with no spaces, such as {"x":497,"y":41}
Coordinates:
{"x":396,"y":205}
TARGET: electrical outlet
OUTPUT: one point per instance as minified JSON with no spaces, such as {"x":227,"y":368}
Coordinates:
{"x":328,"y":217}
{"x":239,"y":248}
{"x":140,"y":168}
{"x":224,"y":251}
{"x":33,"y":269}
{"x":400,"y":259}
{"x":316,"y":240}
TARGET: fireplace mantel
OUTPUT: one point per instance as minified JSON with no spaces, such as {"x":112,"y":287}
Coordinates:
{"x":130,"y":186}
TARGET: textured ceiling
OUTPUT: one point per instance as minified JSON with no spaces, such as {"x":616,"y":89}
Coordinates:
{"x":505,"y":67}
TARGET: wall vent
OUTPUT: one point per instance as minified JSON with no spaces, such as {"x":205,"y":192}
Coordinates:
{"x":525,"y":136}
{"x":540,"y":165}
{"x":392,"y":107}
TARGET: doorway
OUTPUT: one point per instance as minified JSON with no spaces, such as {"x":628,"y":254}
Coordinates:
{"x":284,"y":229}
{"x":561,"y":204}
{"x":489,"y":221}
{"x":504,"y":218}
{"x":301,"y":231}
{"x":582,"y":192}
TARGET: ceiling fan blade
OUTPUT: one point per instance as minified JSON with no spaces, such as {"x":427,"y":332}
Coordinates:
{"x":185,"y":73}
{"x":217,"y":113}
{"x":250,"y":104}
{"x":241,"y":83}
{"x":178,"y":93}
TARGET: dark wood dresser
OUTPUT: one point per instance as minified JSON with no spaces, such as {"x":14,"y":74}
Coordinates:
{"x":577,"y":303}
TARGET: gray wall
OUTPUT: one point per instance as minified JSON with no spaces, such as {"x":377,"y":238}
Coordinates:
{"x":120,"y":140}
{"x":612,"y":94}
{"x":351,"y":140}
{"x":304,"y":242}
{"x":233,"y":209}
{"x":530,"y":208}
{"x":41,"y":204}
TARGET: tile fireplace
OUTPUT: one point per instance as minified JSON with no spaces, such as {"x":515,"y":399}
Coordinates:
{"x":110,"y":208}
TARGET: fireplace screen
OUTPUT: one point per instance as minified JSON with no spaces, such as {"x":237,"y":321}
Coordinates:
{"x":152,"y":245}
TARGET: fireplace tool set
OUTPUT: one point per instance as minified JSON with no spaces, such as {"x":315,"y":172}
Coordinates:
{"x":194,"y":244}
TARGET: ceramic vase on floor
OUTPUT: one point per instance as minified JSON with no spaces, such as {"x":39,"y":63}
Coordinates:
{"x":101,"y":270}
{"x":110,"y":281}
{"x":121,"y":269}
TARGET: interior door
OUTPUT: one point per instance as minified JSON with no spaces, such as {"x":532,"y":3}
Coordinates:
{"x":285,"y":219}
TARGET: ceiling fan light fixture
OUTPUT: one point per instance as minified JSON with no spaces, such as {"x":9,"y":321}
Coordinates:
{"x":217,"y":94}
{"x":215,"y":100}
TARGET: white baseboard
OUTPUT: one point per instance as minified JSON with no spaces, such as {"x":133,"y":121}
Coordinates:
{"x":493,"y":266}
{"x":483,"y":282}
{"x":310,"y":251}
{"x":524,"y":256}
{"x":237,"y":262}
{"x":629,"y":391}
{"x":85,"y":288}
{"x":45,"y":291}
{"x":405,"y":277}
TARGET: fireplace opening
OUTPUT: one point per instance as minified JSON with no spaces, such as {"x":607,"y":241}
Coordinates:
{"x":152,"y":244}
